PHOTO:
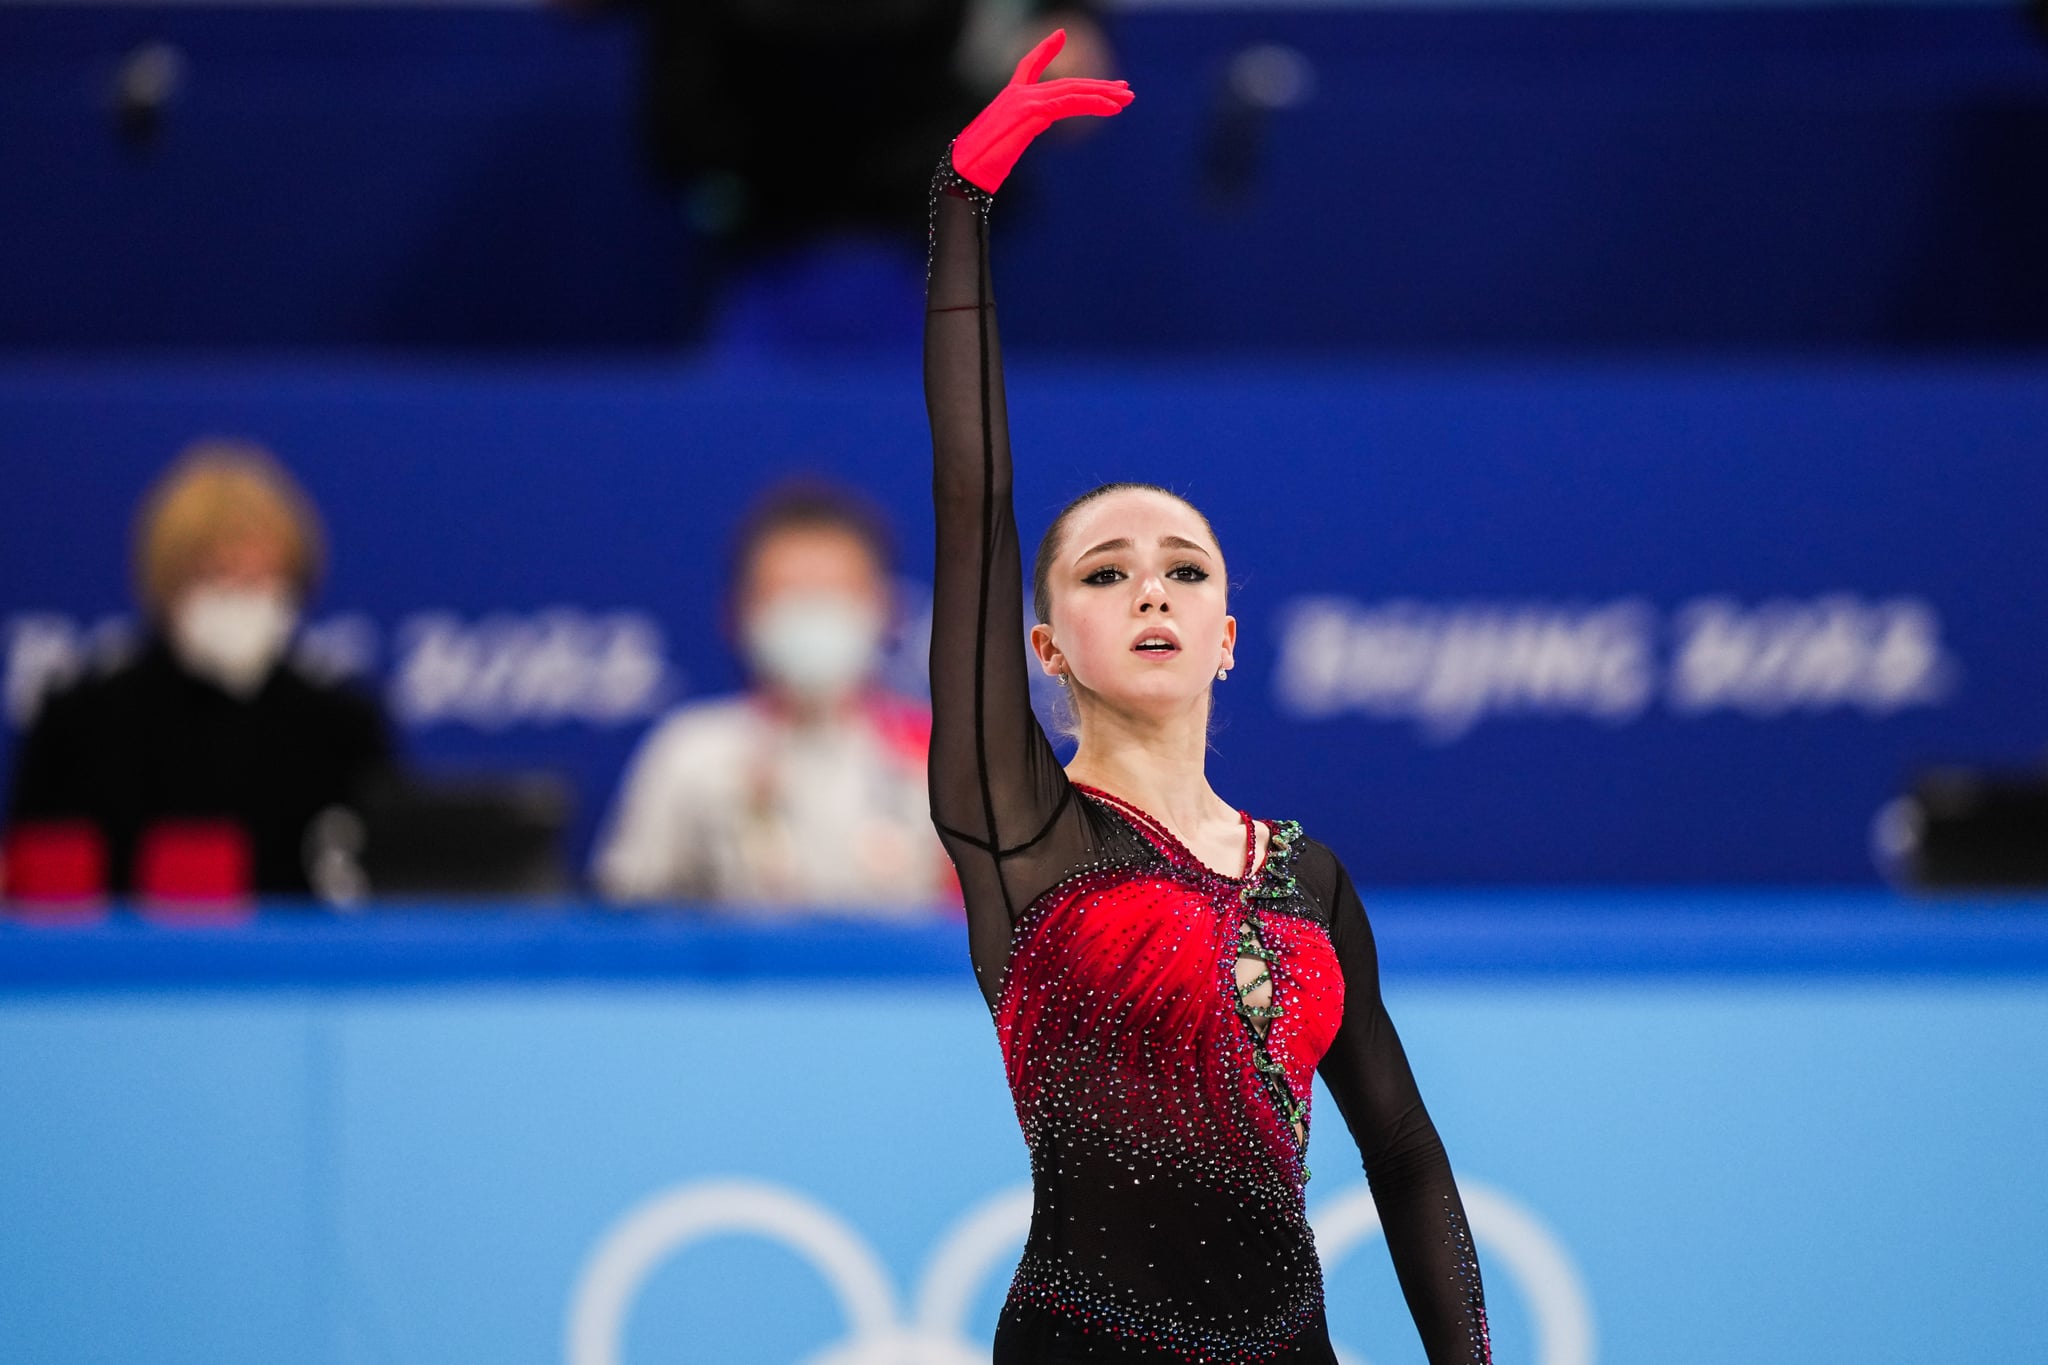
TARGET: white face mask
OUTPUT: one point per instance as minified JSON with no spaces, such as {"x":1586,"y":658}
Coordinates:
{"x":819,"y":646}
{"x":233,"y":636}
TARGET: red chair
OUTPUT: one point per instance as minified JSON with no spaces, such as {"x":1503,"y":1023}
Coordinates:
{"x":54,"y":868}
{"x":204,"y":868}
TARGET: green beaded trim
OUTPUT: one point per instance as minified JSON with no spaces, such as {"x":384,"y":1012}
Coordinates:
{"x":1276,"y":880}
{"x":1276,"y":875}
{"x":1250,"y":945}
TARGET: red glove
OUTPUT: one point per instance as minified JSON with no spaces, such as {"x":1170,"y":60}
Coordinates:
{"x":988,"y":147}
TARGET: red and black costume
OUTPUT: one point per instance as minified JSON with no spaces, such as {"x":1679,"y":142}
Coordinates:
{"x":1166,"y":1118}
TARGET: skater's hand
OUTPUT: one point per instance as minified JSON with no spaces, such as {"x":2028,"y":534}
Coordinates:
{"x":988,"y":147}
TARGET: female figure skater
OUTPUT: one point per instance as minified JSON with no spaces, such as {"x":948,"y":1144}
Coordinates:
{"x":1166,"y":973}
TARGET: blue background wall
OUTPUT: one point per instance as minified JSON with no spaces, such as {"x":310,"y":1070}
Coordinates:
{"x":1671,"y":176}
{"x":1627,"y":375}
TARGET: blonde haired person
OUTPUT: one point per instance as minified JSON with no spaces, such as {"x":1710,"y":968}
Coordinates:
{"x":209,"y":720}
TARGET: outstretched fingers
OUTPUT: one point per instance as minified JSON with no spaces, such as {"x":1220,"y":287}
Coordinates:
{"x":1067,"y":106}
{"x":1061,"y":99}
{"x":1069,"y":84}
{"x":988,"y":147}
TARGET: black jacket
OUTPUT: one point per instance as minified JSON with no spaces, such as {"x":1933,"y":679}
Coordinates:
{"x":150,"y":740}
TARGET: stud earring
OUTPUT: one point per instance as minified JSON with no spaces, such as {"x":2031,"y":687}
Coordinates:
{"x":1221,"y":674}
{"x":1060,"y":678}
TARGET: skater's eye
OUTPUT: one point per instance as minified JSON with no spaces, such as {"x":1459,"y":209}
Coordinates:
{"x":1108,"y":573}
{"x":1188,"y":573}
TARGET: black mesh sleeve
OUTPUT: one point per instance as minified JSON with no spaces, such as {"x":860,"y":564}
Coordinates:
{"x":999,"y":797}
{"x":1369,"y":1077}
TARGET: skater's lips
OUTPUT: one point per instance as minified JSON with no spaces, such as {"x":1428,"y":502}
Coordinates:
{"x":1156,"y":636}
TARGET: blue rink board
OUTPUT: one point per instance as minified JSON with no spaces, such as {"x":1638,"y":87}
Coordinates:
{"x":1571,"y":932}
{"x":1757,"y":1128}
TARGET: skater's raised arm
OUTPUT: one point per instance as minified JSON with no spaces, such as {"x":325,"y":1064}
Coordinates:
{"x":996,"y":785}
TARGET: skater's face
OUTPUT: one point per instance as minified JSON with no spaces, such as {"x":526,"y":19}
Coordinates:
{"x":1138,"y":621}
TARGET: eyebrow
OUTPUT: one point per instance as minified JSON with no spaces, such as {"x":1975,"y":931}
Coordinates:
{"x":1165,"y":543}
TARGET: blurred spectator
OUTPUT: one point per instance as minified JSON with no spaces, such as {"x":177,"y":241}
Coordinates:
{"x":209,"y":727}
{"x":809,"y":788}
{"x":803,"y":134}
{"x":787,"y":116}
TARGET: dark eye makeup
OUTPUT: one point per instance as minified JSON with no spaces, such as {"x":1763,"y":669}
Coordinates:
{"x":1110,"y":573}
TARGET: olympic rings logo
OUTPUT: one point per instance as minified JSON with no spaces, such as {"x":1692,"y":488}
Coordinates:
{"x":1517,"y":1248}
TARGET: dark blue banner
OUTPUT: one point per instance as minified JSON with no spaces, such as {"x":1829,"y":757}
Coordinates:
{"x":1584,"y":624}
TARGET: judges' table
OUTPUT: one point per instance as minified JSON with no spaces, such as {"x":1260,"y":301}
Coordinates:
{"x":1691,"y":1128}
